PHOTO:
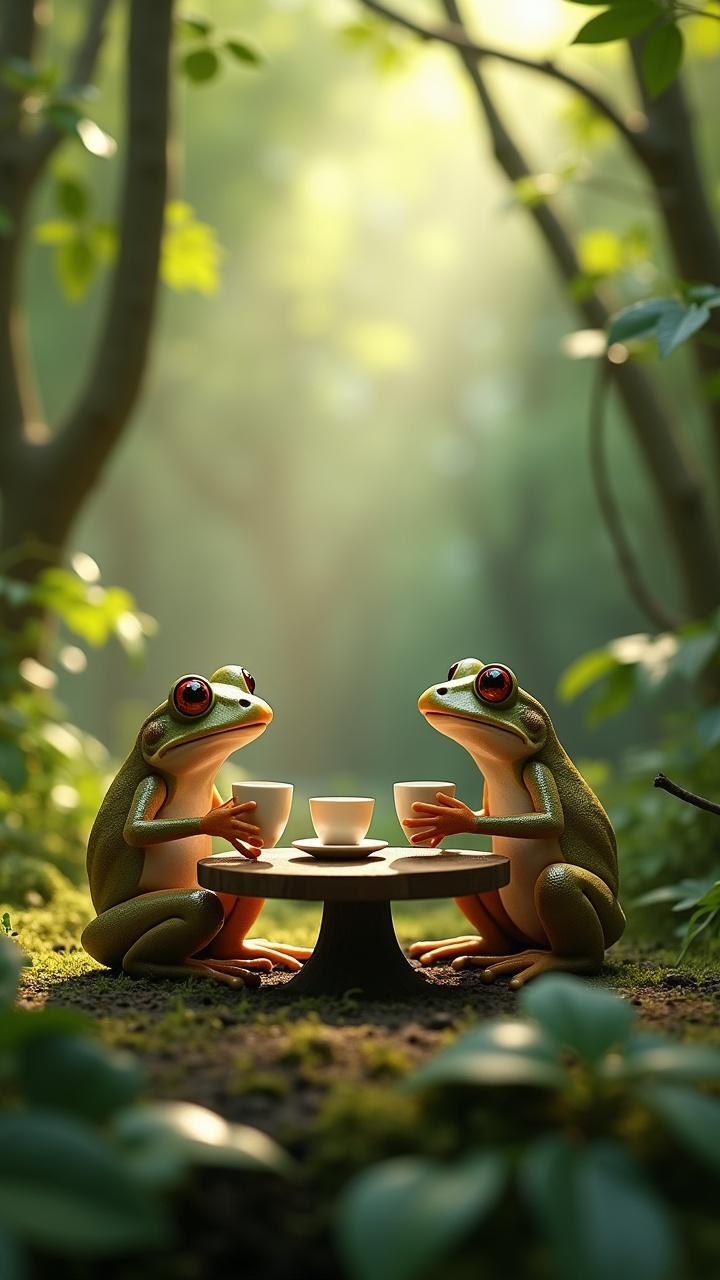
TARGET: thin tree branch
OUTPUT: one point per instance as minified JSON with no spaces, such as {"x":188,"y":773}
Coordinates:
{"x":43,"y":143}
{"x":677,"y":485}
{"x":690,"y":797}
{"x":114,"y":380}
{"x":456,"y":37}
{"x":610,"y":511}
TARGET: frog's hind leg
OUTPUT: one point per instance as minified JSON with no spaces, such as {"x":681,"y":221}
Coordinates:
{"x":495,"y":933}
{"x":233,"y":944}
{"x":580,"y":916}
{"x":156,"y":935}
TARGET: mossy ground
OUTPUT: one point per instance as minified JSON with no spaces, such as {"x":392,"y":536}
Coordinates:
{"x":316,"y":1074}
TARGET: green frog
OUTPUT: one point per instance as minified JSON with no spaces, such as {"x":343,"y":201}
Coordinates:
{"x":560,"y":909}
{"x":157,"y":819}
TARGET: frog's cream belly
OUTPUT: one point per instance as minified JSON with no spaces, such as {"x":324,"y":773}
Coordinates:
{"x":509,"y":796}
{"x":174,"y":865}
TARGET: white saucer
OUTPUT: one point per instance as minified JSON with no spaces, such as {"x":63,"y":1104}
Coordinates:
{"x":339,"y":852}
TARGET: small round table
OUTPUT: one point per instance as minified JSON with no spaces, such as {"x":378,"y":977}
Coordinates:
{"x":357,"y":947}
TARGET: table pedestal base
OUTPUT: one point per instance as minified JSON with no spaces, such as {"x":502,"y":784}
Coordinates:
{"x":357,"y":948}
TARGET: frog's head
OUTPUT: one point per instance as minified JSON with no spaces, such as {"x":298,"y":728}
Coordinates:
{"x":481,"y":706}
{"x":204,"y":721}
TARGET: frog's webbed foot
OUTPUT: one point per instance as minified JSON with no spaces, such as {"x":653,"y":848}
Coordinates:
{"x":260,"y":951}
{"x":443,"y":950}
{"x":525,"y":965}
{"x":227,"y":973}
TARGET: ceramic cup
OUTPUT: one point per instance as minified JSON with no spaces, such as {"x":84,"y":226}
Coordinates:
{"x":407,"y":793}
{"x":341,"y":819}
{"x":273,"y":801}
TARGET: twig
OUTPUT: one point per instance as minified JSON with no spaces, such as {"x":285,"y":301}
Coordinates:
{"x":43,"y":143}
{"x":665,"y":784}
{"x":610,"y":510}
{"x":456,"y":37}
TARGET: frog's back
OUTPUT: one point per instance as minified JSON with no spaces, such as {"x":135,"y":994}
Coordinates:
{"x":113,"y":866}
{"x":588,"y":839}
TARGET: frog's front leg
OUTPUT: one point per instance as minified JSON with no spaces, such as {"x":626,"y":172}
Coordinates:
{"x":581,"y":918}
{"x":157,"y":935}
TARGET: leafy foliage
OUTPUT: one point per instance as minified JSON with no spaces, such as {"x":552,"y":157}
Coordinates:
{"x":87,"y":1166}
{"x":190,"y":251}
{"x":663,"y":47}
{"x":52,"y":774}
{"x":670,"y":321}
{"x":647,"y":665}
{"x":202,"y":62}
{"x":406,"y":1215}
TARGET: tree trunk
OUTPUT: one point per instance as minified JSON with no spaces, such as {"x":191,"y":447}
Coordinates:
{"x":45,"y":478}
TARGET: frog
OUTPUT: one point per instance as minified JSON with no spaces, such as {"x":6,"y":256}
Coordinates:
{"x":560,"y":909}
{"x":158,"y":818}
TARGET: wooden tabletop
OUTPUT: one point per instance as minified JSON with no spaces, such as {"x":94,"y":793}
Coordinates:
{"x":385,"y":876}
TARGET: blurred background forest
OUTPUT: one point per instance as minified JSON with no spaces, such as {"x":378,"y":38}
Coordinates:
{"x":362,"y":448}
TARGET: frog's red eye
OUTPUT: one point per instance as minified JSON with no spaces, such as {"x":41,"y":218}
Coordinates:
{"x":249,"y":680}
{"x":494,"y":684}
{"x":192,"y":696}
{"x":453,"y":669}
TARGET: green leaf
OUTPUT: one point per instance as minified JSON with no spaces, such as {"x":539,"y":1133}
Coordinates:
{"x":615,"y":696}
{"x":402,"y":1218}
{"x":504,"y":1052}
{"x":640,"y":320}
{"x":243,"y":52}
{"x":708,"y":726}
{"x":54,"y":232}
{"x":194,"y":26}
{"x":13,"y":1264}
{"x":709,"y":294}
{"x":691,"y":1117}
{"x":648,"y":1055}
{"x":677,"y":325}
{"x":584,"y":672}
{"x":619,"y":23}
{"x":64,"y":1188}
{"x":588,"y":1019}
{"x":62,"y":116}
{"x":7,"y":222}
{"x":12,"y":962}
{"x":75,"y":264}
{"x":22,"y":1027}
{"x":76,"y":1075}
{"x":661,"y":58}
{"x":72,"y":198}
{"x":600,"y":1218}
{"x":694,"y":653}
{"x":163,"y":1140}
{"x":201,"y":65}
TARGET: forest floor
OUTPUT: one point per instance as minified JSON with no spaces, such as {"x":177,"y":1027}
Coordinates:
{"x":318,"y":1075}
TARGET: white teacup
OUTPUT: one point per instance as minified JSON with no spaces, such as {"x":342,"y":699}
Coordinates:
{"x":341,"y":819}
{"x":409,"y":793}
{"x":273,"y":802}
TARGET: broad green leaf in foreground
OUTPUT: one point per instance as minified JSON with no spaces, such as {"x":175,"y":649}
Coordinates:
{"x":588,"y":1019}
{"x":647,"y":1055}
{"x":13,"y":1264}
{"x":600,"y":1219}
{"x":691,"y":1117}
{"x":62,"y":1187}
{"x":503,"y":1052}
{"x":401,"y":1218}
{"x":79,"y":1076}
{"x":164,"y":1139}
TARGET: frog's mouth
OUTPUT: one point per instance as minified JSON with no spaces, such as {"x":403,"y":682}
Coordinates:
{"x":213,"y":733}
{"x":478,"y":720}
